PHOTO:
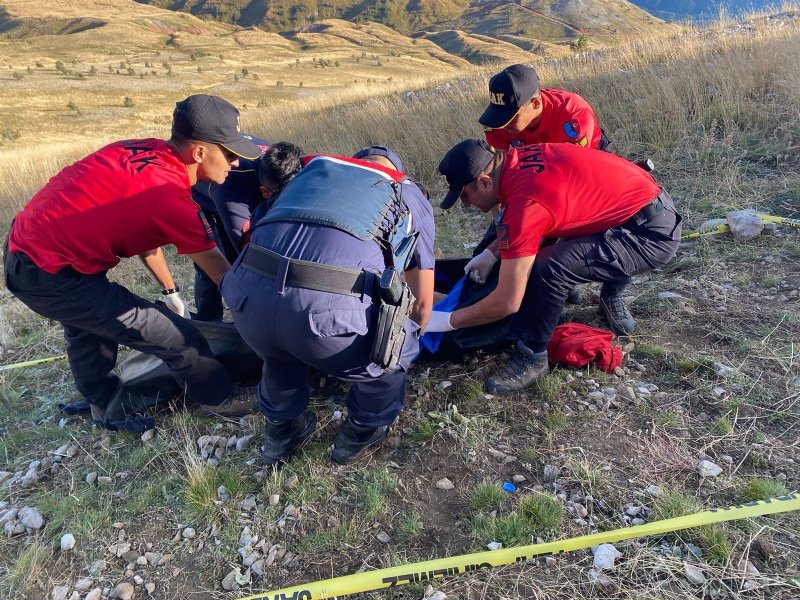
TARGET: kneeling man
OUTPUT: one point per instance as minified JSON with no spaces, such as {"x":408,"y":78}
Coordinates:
{"x":614,"y":220}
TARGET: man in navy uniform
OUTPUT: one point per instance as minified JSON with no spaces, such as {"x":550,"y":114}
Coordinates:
{"x":309,"y":290}
{"x":227,"y":207}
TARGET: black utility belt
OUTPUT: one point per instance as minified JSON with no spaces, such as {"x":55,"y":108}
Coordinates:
{"x":650,"y":210}
{"x":310,"y":275}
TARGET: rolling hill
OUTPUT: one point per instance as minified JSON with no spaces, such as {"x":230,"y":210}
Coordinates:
{"x":519,"y":21}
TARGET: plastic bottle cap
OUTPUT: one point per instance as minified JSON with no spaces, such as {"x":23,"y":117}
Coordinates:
{"x":509,"y":487}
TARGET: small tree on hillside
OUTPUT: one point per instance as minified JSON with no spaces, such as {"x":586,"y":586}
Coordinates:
{"x":581,"y":44}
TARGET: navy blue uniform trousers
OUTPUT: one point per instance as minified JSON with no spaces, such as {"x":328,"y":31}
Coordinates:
{"x":98,"y":315}
{"x":291,"y":328}
{"x":610,"y":257}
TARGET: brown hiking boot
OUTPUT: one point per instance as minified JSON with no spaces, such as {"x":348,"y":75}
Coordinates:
{"x":237,"y":405}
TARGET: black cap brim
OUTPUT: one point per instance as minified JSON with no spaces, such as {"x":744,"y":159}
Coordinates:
{"x":450,"y":198}
{"x":243,"y":148}
{"x":496,"y":117}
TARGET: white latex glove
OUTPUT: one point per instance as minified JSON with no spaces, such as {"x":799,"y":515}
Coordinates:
{"x":439,"y":322}
{"x":176,"y":304}
{"x":479,"y":267}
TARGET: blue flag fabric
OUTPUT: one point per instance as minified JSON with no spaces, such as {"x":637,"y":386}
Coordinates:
{"x":432,"y":341}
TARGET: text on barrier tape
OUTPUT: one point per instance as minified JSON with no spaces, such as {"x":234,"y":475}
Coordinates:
{"x":466,"y":563}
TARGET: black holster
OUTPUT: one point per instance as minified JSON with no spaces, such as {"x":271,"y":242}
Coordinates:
{"x":394,"y":306}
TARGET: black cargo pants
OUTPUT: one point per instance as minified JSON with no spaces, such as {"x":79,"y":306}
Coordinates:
{"x":609,"y":257}
{"x":98,"y":315}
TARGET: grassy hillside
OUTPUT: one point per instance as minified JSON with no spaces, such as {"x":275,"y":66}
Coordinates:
{"x":712,"y":374}
{"x":539,"y":20}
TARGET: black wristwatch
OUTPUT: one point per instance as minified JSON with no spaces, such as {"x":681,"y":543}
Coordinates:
{"x":170,"y":291}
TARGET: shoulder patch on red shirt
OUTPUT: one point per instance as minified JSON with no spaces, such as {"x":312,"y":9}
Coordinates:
{"x":572,"y":128}
{"x":502,"y":236}
{"x":206,"y":227}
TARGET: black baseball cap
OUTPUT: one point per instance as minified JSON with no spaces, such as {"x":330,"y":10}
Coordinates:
{"x":212,"y":119}
{"x":508,"y":91}
{"x":462,"y":165}
{"x":381,"y":151}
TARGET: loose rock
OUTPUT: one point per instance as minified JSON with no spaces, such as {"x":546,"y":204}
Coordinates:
{"x":445,"y":484}
{"x":60,"y":592}
{"x":383,"y":537}
{"x":693,"y":574}
{"x":31,"y":518}
{"x":123,"y":591}
{"x":706,"y":468}
{"x":67,"y":542}
{"x":291,"y":482}
{"x":83,"y":585}
{"x":229,"y":583}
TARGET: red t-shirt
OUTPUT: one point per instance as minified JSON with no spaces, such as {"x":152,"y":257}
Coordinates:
{"x":563,"y":191}
{"x":566,"y":118}
{"x":127,"y":198}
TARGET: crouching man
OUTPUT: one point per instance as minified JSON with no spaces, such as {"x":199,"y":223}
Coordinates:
{"x":319,"y":284}
{"x":127,"y":199}
{"x":614,"y":220}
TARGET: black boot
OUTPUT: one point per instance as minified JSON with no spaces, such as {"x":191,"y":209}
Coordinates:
{"x":352,"y":439}
{"x":616,"y":313}
{"x":281,"y":438}
{"x":522,"y":370}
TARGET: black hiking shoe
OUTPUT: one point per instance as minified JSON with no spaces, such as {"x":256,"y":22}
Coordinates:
{"x":520,"y":371}
{"x":281,"y":439}
{"x":574,"y":296}
{"x":352,"y":440}
{"x":617,"y":315}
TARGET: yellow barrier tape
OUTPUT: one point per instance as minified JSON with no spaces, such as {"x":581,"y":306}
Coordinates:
{"x":32,"y":363}
{"x":725,"y":228}
{"x":454,"y":565}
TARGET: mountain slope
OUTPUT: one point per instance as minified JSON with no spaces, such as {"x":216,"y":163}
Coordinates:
{"x":521,"y":20}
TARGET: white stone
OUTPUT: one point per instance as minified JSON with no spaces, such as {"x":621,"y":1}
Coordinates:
{"x":148,"y":435}
{"x":67,"y":542}
{"x":445,"y":484}
{"x":83,"y":585}
{"x":122,"y":591}
{"x":95,"y":594}
{"x":706,"y":468}
{"x":744,"y":224}
{"x":694,"y":574}
{"x":31,"y":518}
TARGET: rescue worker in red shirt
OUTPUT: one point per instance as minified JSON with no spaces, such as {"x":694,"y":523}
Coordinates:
{"x":614,"y":220}
{"x":520,"y":113}
{"x":127,"y":199}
